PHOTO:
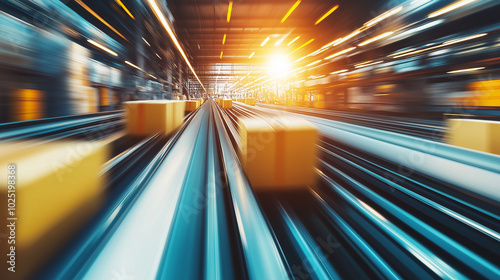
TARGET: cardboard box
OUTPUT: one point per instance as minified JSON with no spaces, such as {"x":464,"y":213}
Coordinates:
{"x":27,"y":104}
{"x":242,"y":100}
{"x":278,"y":153}
{"x":58,"y":188}
{"x":319,"y":104}
{"x":199,"y":100}
{"x":150,"y":117}
{"x":480,"y":135}
{"x":227,"y":104}
{"x":192,"y":105}
{"x":250,"y":101}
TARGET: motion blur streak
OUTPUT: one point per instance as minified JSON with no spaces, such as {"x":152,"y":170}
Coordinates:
{"x":162,"y":19}
{"x":318,"y":139}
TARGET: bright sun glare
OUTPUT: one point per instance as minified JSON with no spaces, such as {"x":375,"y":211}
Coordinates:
{"x":279,"y":65}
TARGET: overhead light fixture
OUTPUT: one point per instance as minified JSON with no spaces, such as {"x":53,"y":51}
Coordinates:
{"x":158,"y":56}
{"x":279,"y":41}
{"x":332,"y":43}
{"x":133,"y":65}
{"x":300,"y":59}
{"x":290,"y":11}
{"x":376,"y":38}
{"x":339,"y":71}
{"x":361,"y":65}
{"x":450,"y":8}
{"x":99,"y":18}
{"x":224,"y":39}
{"x":418,"y":29}
{"x":313,"y":63}
{"x":303,"y":45}
{"x":124,"y":8}
{"x":102,"y":47}
{"x":466,"y":70}
{"x":170,"y":32}
{"x":402,"y":52}
{"x":326,"y":14}
{"x":343,"y":39}
{"x":454,"y":41}
{"x":146,"y":41}
{"x":340,"y":53}
{"x":383,"y":16}
{"x":291,"y":42}
{"x":221,"y":54}
{"x":317,"y":52}
{"x":251,"y":55}
{"x":265,"y":41}
{"x":229,"y":9}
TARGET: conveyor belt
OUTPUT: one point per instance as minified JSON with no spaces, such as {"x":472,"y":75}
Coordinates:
{"x":90,"y":126}
{"x":182,"y":208}
{"x":429,"y":129}
{"x":381,"y":221}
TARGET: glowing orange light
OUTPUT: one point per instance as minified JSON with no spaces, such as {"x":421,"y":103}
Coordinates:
{"x":305,"y":44}
{"x":99,"y":18}
{"x":290,"y":11}
{"x":326,"y":14}
{"x":229,"y":9}
{"x":125,"y":8}
{"x":291,"y":42}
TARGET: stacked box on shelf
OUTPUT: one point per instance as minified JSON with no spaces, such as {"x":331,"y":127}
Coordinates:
{"x":242,"y":100}
{"x":54,"y":188}
{"x":250,"y":101}
{"x":27,"y":104}
{"x":227,"y":104}
{"x":279,"y":152}
{"x":480,"y":135}
{"x":93,"y":94}
{"x":150,"y":117}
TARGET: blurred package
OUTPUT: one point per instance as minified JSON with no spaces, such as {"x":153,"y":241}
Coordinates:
{"x":58,"y":188}
{"x":150,"y":117}
{"x":227,"y":104}
{"x":192,"y":105}
{"x":250,"y":101}
{"x":278,"y":152}
{"x":479,"y":135}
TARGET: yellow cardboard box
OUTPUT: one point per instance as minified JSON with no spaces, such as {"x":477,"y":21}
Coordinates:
{"x":480,"y":135}
{"x":242,"y":100}
{"x":192,"y":105}
{"x":199,"y":100}
{"x":54,"y":188}
{"x":227,"y":104}
{"x":319,"y":104}
{"x":250,"y":101}
{"x":150,"y":117}
{"x":279,"y":152}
